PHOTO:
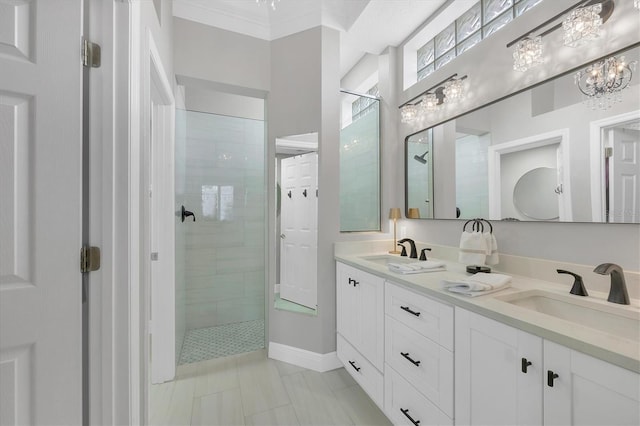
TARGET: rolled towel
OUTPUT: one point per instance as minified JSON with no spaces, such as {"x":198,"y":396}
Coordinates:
{"x":478,"y":284}
{"x":473,"y":248}
{"x":416,"y":267}
{"x":492,"y":252}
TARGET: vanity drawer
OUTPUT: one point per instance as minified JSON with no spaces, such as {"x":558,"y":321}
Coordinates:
{"x":402,"y":401}
{"x":425,"y":364}
{"x":431,"y":319}
{"x":361,"y":370}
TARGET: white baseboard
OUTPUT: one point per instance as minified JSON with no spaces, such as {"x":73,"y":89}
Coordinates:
{"x":303,"y":358}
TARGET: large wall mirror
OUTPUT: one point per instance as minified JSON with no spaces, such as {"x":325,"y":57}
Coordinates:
{"x":549,"y":153}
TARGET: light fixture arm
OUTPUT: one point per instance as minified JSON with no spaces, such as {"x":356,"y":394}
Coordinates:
{"x":436,"y":88}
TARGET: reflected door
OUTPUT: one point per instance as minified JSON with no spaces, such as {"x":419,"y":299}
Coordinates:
{"x":624,"y":176}
{"x":299,"y":238}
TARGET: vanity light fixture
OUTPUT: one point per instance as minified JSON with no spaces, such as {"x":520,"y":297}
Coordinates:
{"x":449,"y":90}
{"x":582,"y":25}
{"x":394,"y":214}
{"x":636,"y":3}
{"x":603,"y":81}
{"x":272,"y":3}
{"x":528,"y":53}
{"x":453,"y":91}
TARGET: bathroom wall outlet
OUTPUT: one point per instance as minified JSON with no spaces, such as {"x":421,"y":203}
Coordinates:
{"x":403,"y":232}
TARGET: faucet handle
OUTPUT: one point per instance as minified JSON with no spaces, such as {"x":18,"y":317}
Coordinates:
{"x":423,"y":255}
{"x":578,"y":285}
{"x":404,"y":250}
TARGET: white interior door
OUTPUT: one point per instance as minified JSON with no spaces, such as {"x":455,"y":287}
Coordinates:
{"x":299,"y":238}
{"x":40,"y":212}
{"x":624,"y":175}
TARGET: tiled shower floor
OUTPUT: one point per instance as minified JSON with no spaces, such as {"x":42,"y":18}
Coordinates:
{"x":222,"y":340}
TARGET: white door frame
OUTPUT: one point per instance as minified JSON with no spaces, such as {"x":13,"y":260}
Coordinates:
{"x":535,"y":141}
{"x":160,"y":279}
{"x":597,"y":160}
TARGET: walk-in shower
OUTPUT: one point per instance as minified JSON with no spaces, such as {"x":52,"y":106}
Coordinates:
{"x":220,"y":251}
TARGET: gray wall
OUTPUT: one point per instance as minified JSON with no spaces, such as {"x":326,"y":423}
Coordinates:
{"x":491,"y":76}
{"x":220,"y":56}
{"x":294,"y":106}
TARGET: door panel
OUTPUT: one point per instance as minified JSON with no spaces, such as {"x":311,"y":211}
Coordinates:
{"x":40,"y":212}
{"x":625,"y":176}
{"x":299,"y":224}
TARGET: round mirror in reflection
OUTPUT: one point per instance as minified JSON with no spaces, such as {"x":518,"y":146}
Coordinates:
{"x":534,"y":194}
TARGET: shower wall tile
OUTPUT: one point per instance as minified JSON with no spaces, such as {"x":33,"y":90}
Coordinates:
{"x":225,"y":266}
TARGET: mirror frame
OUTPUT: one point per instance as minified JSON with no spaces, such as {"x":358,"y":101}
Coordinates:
{"x":524,"y":89}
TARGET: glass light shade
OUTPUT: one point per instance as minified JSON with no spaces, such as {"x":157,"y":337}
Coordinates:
{"x":394,"y":213}
{"x":528,"y":53}
{"x":602,"y":82}
{"x":414,"y":213}
{"x":408,"y":113}
{"x":429,"y":103}
{"x":636,"y":3}
{"x":453,"y":91}
{"x":582,"y":25}
{"x":272,"y":3}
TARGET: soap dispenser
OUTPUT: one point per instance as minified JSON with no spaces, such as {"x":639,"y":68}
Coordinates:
{"x":578,"y":286}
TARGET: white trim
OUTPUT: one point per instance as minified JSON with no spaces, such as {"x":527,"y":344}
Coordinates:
{"x":135,"y":271}
{"x":303,"y":358}
{"x":596,"y":160}
{"x":276,"y":288}
{"x":535,"y":141}
{"x":160,"y":291}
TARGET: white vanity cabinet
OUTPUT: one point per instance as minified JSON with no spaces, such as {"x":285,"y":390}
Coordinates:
{"x":587,"y":391}
{"x":360,"y":327}
{"x":505,"y":376}
{"x":418,"y":355}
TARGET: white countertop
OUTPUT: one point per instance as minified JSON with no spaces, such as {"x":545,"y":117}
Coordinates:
{"x":616,"y":350}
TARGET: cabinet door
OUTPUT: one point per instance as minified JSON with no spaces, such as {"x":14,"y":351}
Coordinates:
{"x":370,"y":321}
{"x":347,"y":302}
{"x":587,"y":391}
{"x":491,"y":385}
{"x":360,"y":311}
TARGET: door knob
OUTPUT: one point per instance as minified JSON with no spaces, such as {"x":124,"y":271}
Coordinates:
{"x":282,"y":236}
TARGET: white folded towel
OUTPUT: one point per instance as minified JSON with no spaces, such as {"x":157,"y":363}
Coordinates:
{"x":473,"y":248}
{"x":492,"y":249}
{"x":416,"y":267}
{"x":478,"y":284}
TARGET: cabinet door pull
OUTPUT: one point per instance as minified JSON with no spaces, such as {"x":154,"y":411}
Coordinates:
{"x":525,"y":363}
{"x":406,"y":355}
{"x":551,"y":376}
{"x":353,"y":364}
{"x":407,"y":309}
{"x":354,"y":282}
{"x":406,"y":413}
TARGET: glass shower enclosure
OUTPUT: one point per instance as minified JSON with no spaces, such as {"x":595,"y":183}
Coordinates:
{"x":220,"y":251}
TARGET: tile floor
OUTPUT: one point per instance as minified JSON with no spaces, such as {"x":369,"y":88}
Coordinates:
{"x":223,"y":340}
{"x":250,"y":389}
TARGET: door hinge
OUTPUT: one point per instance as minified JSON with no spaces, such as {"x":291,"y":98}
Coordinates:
{"x":608,"y":152}
{"x":90,"y":54}
{"x":89,"y":259}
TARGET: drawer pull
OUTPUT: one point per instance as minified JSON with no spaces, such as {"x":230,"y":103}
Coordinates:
{"x":406,"y":355}
{"x":551,"y":376}
{"x":407,"y":309}
{"x":406,"y":413}
{"x":354,"y":282}
{"x":353,"y":364}
{"x":525,"y":363}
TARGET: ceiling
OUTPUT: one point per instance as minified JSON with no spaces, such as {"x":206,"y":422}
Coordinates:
{"x":366,"y":26}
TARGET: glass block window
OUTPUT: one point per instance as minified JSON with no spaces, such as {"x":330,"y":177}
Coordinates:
{"x":364,"y":105}
{"x":481,"y":20}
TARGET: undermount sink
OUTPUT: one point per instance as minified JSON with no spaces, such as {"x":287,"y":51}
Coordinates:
{"x":385,"y":259}
{"x":618,"y":320}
